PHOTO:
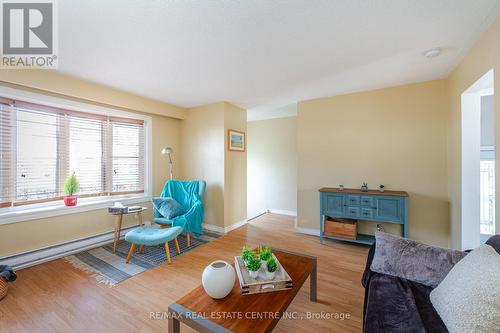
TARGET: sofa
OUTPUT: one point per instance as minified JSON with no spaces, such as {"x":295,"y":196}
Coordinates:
{"x":395,"y":304}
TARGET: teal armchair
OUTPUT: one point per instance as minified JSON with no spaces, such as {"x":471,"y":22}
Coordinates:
{"x":190,"y":195}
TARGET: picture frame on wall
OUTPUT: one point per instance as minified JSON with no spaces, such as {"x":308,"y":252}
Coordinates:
{"x":236,"y":140}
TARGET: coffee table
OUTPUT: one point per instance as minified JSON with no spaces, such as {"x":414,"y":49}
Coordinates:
{"x":244,"y":313}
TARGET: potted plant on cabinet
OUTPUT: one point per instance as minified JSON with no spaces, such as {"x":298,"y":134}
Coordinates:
{"x":253,"y":266}
{"x":381,"y":188}
{"x":71,"y":186}
{"x":272,"y":266}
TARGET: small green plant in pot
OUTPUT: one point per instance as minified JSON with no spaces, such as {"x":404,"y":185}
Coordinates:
{"x":71,"y":186}
{"x":381,"y":188}
{"x":253,"y":266}
{"x":272,"y":267}
{"x":264,"y":254}
{"x":247,"y":254}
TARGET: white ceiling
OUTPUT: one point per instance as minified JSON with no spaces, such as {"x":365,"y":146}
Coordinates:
{"x":264,"y":54}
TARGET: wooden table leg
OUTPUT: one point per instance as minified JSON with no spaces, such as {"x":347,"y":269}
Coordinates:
{"x":314,"y":282}
{"x":174,"y":326}
{"x":138,"y":216}
{"x":118,"y":227}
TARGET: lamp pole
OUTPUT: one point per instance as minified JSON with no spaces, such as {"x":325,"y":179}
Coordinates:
{"x":168,"y":151}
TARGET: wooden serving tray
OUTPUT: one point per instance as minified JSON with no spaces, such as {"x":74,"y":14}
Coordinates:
{"x":248,"y":286}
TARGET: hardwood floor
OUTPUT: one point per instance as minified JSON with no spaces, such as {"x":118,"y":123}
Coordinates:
{"x":56,"y":297}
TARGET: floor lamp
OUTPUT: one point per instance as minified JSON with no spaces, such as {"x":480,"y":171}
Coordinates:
{"x":168,"y":151}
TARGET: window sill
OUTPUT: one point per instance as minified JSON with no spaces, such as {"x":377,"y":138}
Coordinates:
{"x":40,"y":211}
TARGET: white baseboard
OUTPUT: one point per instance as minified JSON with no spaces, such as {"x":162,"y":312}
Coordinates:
{"x":307,"y":231}
{"x":39,"y":256}
{"x":223,"y":230}
{"x":235,"y":225}
{"x":213,"y":227}
{"x":282,"y":212}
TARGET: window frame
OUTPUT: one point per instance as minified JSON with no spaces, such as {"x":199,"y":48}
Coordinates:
{"x":23,"y":212}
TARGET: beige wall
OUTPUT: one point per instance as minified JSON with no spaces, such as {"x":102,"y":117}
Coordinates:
{"x":53,"y":82}
{"x":203,"y":156}
{"x":235,"y":175}
{"x":272,"y":165}
{"x":484,"y":56}
{"x":394,"y":136}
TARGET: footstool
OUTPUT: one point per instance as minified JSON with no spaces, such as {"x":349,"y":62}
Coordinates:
{"x":151,"y":237}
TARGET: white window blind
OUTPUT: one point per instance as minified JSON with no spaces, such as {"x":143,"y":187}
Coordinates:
{"x":86,"y":160}
{"x":127,"y":157}
{"x":37,"y":134}
{"x":6,"y":152}
{"x":40,"y":146}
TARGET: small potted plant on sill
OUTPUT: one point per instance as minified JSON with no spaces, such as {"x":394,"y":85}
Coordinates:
{"x":264,"y":254}
{"x":71,"y":186}
{"x":381,"y":188}
{"x":272,"y":266}
{"x":253,"y":266}
{"x":247,"y":254}
{"x":364,"y":187}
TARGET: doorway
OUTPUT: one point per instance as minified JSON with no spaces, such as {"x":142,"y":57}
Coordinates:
{"x":478,"y":162}
{"x":487,"y":169}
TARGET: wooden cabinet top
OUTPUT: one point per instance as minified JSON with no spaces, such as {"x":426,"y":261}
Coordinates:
{"x":358,"y":191}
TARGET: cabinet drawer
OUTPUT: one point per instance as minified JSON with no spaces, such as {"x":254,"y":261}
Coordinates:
{"x":352,"y":211}
{"x":353,"y":200}
{"x":366,"y":213}
{"x":367,"y":201}
{"x":341,"y":228}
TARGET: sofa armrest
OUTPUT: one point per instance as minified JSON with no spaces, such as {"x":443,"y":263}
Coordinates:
{"x":368,"y":272}
{"x":365,"y":280}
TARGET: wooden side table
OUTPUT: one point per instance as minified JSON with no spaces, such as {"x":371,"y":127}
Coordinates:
{"x":118,"y":223}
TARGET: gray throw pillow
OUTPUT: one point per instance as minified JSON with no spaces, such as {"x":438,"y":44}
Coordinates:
{"x":412,"y":260}
{"x":468,"y":299}
{"x":168,"y":207}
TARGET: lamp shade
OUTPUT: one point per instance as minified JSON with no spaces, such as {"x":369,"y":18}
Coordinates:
{"x":167,"y":150}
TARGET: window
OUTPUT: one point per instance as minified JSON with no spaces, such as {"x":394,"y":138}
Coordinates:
{"x":487,"y":191}
{"x":40,"y":146}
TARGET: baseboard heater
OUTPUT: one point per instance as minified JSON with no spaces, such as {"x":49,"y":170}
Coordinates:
{"x":35,"y":257}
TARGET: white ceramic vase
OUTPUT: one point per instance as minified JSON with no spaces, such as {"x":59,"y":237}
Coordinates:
{"x":218,"y":279}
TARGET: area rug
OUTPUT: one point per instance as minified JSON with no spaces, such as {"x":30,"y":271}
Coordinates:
{"x":110,"y":268}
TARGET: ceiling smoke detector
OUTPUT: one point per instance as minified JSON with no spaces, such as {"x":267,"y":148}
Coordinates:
{"x":432,"y":53}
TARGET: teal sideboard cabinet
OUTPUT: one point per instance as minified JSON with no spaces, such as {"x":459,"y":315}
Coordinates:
{"x":372,"y":206}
